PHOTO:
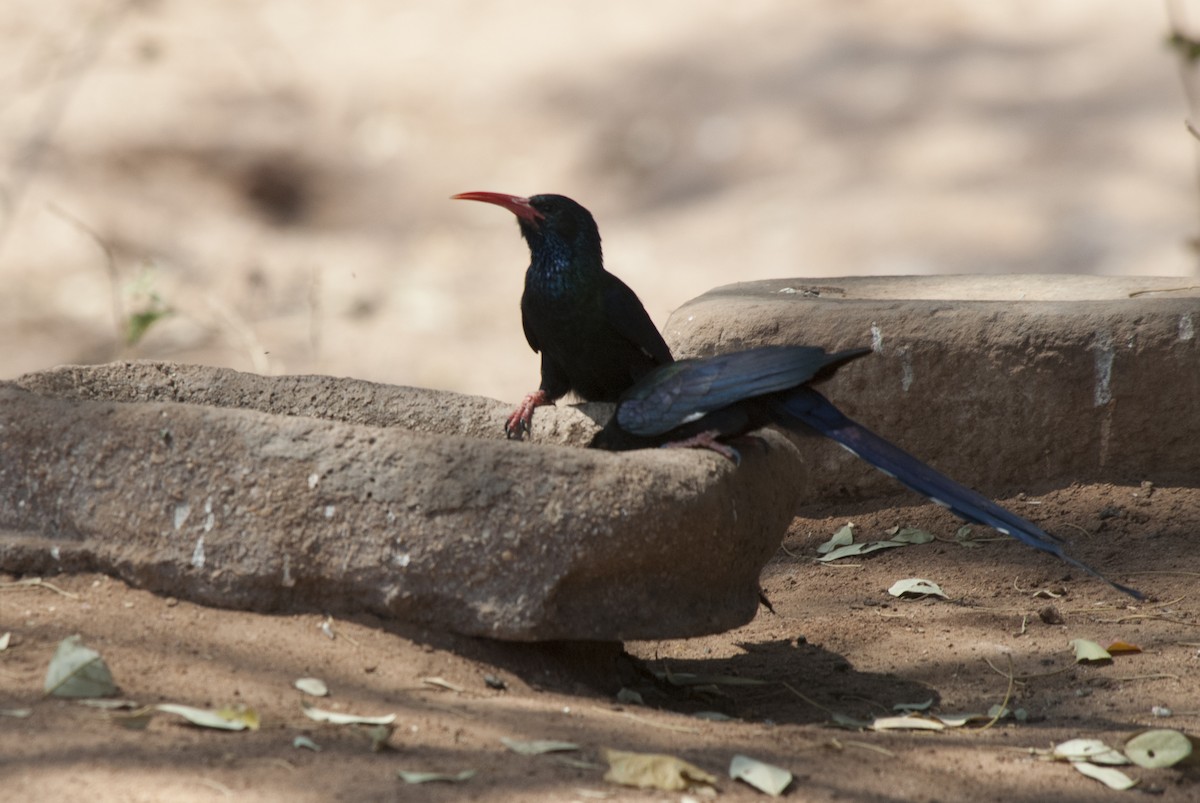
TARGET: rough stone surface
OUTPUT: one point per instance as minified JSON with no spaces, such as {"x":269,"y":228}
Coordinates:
{"x":1004,"y":383}
{"x":313,"y":493}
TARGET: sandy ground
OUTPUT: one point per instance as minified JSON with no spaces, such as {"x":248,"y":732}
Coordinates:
{"x":837,"y":638}
{"x":277,"y":176}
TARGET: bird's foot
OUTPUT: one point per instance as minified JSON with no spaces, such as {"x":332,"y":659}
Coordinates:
{"x":707,"y":440}
{"x":521,"y":419}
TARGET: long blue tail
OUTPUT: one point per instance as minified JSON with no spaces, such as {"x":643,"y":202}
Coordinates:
{"x":811,"y":408}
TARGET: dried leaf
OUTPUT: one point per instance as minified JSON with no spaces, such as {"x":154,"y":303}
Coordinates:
{"x":229,"y":718}
{"x":109,"y":705}
{"x":537,"y":747}
{"x":312,"y":686}
{"x":377,"y":735}
{"x":1158,"y":748}
{"x":306,"y":743}
{"x":1123,"y":648}
{"x":843,"y":537}
{"x":713,"y":716}
{"x":1112,"y":778}
{"x":4,"y":640}
{"x":859,"y":549}
{"x":337,"y":718}
{"x":16,"y":713}
{"x":630,"y":697}
{"x":78,"y":671}
{"x":762,"y":776}
{"x":959,"y":720}
{"x":432,"y":777}
{"x":688,"y":679}
{"x":925,"y":706}
{"x":912,"y":535}
{"x":442,"y":683}
{"x":1092,"y":750}
{"x":849,"y":722}
{"x":1089,"y":651}
{"x":911,"y":723}
{"x":654,"y":771}
{"x":916,"y":587}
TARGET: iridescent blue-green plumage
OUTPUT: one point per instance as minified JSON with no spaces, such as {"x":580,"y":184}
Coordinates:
{"x":592,"y":331}
{"x":704,"y":400}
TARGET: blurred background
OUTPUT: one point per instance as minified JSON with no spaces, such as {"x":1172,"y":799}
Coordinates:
{"x":264,"y":184}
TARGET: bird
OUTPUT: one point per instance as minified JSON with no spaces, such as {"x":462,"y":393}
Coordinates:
{"x":592,"y":331}
{"x":708,"y":401}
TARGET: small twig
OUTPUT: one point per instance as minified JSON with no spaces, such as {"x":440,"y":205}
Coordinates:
{"x":1087,"y":533}
{"x":1026,"y":678}
{"x":1136,"y":293}
{"x":110,"y":263}
{"x":1133,"y":617}
{"x":37,"y":582}
{"x":1156,"y":676}
{"x":808,"y":699}
{"x":217,"y":785}
{"x":869,"y":746}
{"x":1012,"y":681}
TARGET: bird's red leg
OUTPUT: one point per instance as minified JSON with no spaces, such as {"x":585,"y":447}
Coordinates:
{"x":522,"y":418}
{"x":706,"y":440}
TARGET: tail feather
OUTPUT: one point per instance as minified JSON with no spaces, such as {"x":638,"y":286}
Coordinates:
{"x":811,"y":408}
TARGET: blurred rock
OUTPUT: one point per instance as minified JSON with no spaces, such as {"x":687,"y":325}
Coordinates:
{"x":1002,"y":382}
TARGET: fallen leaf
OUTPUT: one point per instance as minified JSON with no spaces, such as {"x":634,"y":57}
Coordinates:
{"x":1092,"y":750}
{"x":1123,"y":648}
{"x":306,"y":743}
{"x":849,"y":722}
{"x":432,"y":777}
{"x":964,"y":538}
{"x":78,"y":671}
{"x":1112,"y":778}
{"x":442,"y":683}
{"x":688,"y":679}
{"x":762,"y":776}
{"x":925,"y":706}
{"x":713,"y":716}
{"x":314,"y":687}
{"x":16,"y":713}
{"x":959,"y":720}
{"x":912,"y":535}
{"x":911,"y":723}
{"x":337,"y":718}
{"x":916,"y":587}
{"x":377,"y":735}
{"x":1158,"y":748}
{"x":630,"y":697}
{"x":1089,"y":651}
{"x":108,"y":705}
{"x":537,"y":747}
{"x":4,"y":640}
{"x":654,"y":771}
{"x":229,"y":718}
{"x":859,"y":549}
{"x":843,"y":537}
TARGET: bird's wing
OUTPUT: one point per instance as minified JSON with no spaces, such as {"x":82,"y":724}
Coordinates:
{"x":680,"y":393}
{"x":810,"y":407}
{"x":624,"y":310}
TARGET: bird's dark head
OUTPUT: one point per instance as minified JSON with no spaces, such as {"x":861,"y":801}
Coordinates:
{"x":557,"y":229}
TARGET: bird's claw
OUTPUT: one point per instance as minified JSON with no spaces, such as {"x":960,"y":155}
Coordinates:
{"x":518,"y":424}
{"x":707,"y":440}
{"x":521,"y":420}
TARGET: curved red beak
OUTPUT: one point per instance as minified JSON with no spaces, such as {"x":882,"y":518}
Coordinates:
{"x":521,"y":207}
